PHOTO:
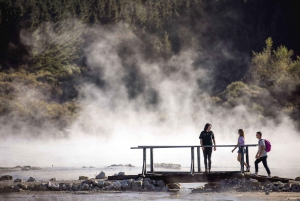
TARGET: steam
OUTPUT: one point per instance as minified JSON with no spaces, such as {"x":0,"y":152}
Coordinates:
{"x":148,"y":102}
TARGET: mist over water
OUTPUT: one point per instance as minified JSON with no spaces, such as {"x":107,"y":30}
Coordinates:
{"x":148,"y":102}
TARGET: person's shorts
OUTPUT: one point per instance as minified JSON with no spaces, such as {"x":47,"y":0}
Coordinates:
{"x":240,"y":150}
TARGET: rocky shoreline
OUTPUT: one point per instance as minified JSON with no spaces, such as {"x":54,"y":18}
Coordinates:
{"x":101,"y":184}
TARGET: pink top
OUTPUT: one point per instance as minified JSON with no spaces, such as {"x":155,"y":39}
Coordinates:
{"x":241,"y":141}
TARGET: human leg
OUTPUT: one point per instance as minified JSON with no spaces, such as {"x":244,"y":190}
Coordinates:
{"x":205,"y":158}
{"x":264,"y":161}
{"x":256,"y":164}
{"x":209,"y":158}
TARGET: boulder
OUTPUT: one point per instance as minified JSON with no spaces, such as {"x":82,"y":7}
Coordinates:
{"x":83,"y":178}
{"x":109,"y":188}
{"x":23,"y":186}
{"x":137,"y":185}
{"x":41,"y":187}
{"x":100,"y":184}
{"x":124,"y":185}
{"x":117,"y":185}
{"x":107,"y":183}
{"x":173,"y":186}
{"x":18,"y":180}
{"x":76,"y":187}
{"x":101,"y":176}
{"x":6,"y":177}
{"x":297,"y":179}
{"x":160,"y":184}
{"x":63,"y":186}
{"x":31,"y":179}
{"x":148,"y":186}
{"x":85,"y":187}
{"x":149,"y":180}
{"x":53,"y":186}
{"x":199,"y":189}
{"x":17,"y":188}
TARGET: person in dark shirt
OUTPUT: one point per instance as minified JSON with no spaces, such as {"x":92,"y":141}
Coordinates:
{"x":206,"y":138}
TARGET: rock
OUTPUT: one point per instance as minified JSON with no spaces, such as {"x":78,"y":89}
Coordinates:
{"x":100,"y":184}
{"x":199,"y":189}
{"x":124,"y":185}
{"x":85,"y":187}
{"x":76,"y":187}
{"x":149,"y":180}
{"x":6,"y":177}
{"x":63,"y":186}
{"x":297,"y":179}
{"x":18,"y":180}
{"x":109,"y":188}
{"x":101,"y":176}
{"x":107,"y":183}
{"x":83,"y":178}
{"x":148,"y":186}
{"x":41,"y":187}
{"x":117,"y":185}
{"x":173,"y":186}
{"x":129,"y":182}
{"x":23,"y":186}
{"x":53,"y":186}
{"x":137,"y":185}
{"x":16,"y":188}
{"x":121,"y":173}
{"x":31,"y":179}
{"x":267,"y":192}
{"x":160,"y":184}
{"x":53,"y":179}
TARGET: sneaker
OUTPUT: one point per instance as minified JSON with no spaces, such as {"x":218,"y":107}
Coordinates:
{"x":248,"y":168}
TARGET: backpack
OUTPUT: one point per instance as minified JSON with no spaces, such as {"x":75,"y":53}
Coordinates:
{"x":268,"y":145}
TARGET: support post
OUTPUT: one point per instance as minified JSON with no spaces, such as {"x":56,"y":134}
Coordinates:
{"x":198,"y":159}
{"x":247,"y":156}
{"x":144,"y":162}
{"x":242,"y":160}
{"x":192,"y":161}
{"x":151,"y":161}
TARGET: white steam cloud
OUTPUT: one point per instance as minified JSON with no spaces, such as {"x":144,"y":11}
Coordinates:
{"x":145,"y":105}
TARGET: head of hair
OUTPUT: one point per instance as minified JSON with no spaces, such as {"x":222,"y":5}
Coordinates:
{"x":241,"y":132}
{"x":206,"y":126}
{"x":259,"y":133}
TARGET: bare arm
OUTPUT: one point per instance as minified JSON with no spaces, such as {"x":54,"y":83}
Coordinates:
{"x":214,"y":144}
{"x":201,"y":143}
{"x":235,"y":147}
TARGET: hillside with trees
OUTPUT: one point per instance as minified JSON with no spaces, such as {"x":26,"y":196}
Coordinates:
{"x":41,"y":59}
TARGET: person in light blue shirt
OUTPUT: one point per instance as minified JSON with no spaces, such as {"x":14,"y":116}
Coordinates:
{"x":261,"y":155}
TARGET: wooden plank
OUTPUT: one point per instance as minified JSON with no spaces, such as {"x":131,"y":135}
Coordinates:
{"x":189,"y":146}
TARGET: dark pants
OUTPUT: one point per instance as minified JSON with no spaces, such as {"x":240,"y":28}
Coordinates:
{"x":264,"y":161}
{"x":207,"y":156}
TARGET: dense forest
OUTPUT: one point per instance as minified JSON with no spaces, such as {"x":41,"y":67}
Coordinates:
{"x":263,"y":36}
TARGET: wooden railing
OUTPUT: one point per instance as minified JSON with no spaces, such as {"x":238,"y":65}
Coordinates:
{"x":192,"y":170}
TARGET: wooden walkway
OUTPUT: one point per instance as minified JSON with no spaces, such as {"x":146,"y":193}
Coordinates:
{"x":192,"y":175}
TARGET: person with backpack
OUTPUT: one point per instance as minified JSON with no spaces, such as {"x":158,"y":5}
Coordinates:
{"x":261,"y":155}
{"x":206,"y":138}
{"x":241,"y":144}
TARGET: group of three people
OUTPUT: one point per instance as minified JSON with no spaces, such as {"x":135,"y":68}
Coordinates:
{"x":207,"y":138}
